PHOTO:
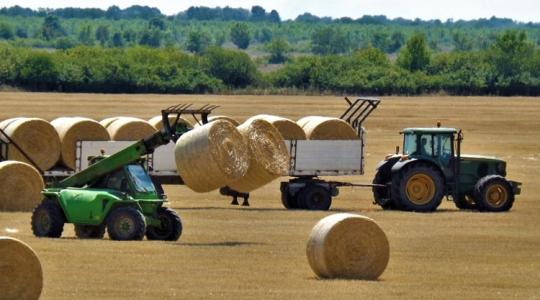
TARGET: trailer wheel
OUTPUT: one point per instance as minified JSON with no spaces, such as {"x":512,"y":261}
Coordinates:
{"x":171,"y":226}
{"x":381,"y":195}
{"x":125,"y":224}
{"x":465,"y":201}
{"x":289,"y":201}
{"x":314,"y":197}
{"x":418,"y":188}
{"x":89,"y":231}
{"x":493,"y":193}
{"x":48,"y":219}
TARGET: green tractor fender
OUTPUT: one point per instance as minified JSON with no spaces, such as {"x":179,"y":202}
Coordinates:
{"x":400,"y":165}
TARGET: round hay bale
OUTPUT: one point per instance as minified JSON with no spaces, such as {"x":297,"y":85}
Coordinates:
{"x":348,"y":246}
{"x":268,"y":154}
{"x":326,"y":128}
{"x":157,"y":122}
{"x":20,"y":186}
{"x":106,"y":122}
{"x":211,"y":156}
{"x":21,"y":274}
{"x":289,"y":129}
{"x":129,"y":129}
{"x":73,"y":129}
{"x":224,"y":118}
{"x":36,"y":137}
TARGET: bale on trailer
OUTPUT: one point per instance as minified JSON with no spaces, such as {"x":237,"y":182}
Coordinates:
{"x":21,"y":276}
{"x":108,"y":121}
{"x":73,"y":129}
{"x":289,"y":129}
{"x":157,"y":122}
{"x":327,"y":128}
{"x":129,"y":129}
{"x":268,"y":154}
{"x":36,"y":137}
{"x":224,"y":118}
{"x":211,"y":156}
{"x":20,"y":186}
{"x":348,"y":246}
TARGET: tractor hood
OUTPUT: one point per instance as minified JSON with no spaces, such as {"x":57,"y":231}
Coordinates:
{"x":474,"y":157}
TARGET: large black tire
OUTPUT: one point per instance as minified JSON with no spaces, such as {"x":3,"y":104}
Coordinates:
{"x":381,"y":195}
{"x":493,"y":193}
{"x":126,"y":224}
{"x":289,"y":201}
{"x":48,"y":219}
{"x":314,"y":197}
{"x":418,"y":187}
{"x":171,"y":226}
{"x":465,"y":201}
{"x":89,"y":231}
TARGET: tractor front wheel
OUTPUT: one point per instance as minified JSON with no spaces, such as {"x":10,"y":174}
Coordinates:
{"x":418,"y":188}
{"x":48,"y":219}
{"x":493,"y":193}
{"x":171,"y":226}
{"x":89,"y":231}
{"x":126,"y":224}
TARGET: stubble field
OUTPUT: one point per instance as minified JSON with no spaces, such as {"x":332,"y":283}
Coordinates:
{"x":259,"y":251}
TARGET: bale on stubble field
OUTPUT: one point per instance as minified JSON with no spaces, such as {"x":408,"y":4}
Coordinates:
{"x":157,"y":121}
{"x":268,"y":154}
{"x":36,"y":137}
{"x":21,"y":276}
{"x":211,"y":156}
{"x":348,"y":246}
{"x":73,"y":129}
{"x":129,"y":129}
{"x":20,"y":186}
{"x":326,"y":128}
{"x":289,"y":129}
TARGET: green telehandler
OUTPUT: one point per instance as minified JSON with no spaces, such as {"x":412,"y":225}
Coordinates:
{"x":115,"y":193}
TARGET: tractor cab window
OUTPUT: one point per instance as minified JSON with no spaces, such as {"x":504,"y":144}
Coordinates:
{"x":140,"y":178}
{"x":443,"y":147}
{"x":426,"y":145}
{"x":409,"y":144}
{"x":116,"y":180}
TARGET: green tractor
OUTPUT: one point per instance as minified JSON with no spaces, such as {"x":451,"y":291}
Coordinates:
{"x":431,"y":167}
{"x":115,"y":193}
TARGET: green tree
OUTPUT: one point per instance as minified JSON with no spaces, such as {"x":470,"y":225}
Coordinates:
{"x":85,"y":35}
{"x":330,"y":40}
{"x":240,"y":35}
{"x":51,"y":28}
{"x":278,"y":49}
{"x":150,"y":38}
{"x":102,"y":34}
{"x":198,"y":41}
{"x":396,"y":41}
{"x":234,"y":68}
{"x":117,"y":40}
{"x":6,"y":31}
{"x":38,"y":71}
{"x":511,"y":53}
{"x":415,"y":55}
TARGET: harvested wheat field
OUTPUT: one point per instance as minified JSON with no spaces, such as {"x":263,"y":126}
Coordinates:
{"x":260,"y":251}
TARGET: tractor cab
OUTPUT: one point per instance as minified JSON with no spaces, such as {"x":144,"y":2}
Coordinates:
{"x":433,"y":144}
{"x":131,"y":179}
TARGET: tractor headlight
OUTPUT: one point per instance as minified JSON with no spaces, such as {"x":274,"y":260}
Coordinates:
{"x":501,"y":169}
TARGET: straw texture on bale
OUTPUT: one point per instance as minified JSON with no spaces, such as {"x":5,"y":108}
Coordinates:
{"x":224,"y":118}
{"x":36,"y":137}
{"x":21,"y":276}
{"x":106,"y":122}
{"x":73,"y":129}
{"x":129,"y":129}
{"x":157,"y":122}
{"x":348,"y":246}
{"x":289,"y":129}
{"x":326,"y":128}
{"x":268,"y":154}
{"x":211,"y":156}
{"x":20,"y":186}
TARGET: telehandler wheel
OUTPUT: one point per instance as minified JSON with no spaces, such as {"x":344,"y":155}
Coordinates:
{"x":493,"y":193}
{"x":48,"y":219}
{"x":125,"y":224}
{"x":314,"y":197}
{"x":418,"y":188}
{"x":381,"y":195}
{"x":465,"y":202}
{"x":89,"y":231}
{"x":171,"y":226}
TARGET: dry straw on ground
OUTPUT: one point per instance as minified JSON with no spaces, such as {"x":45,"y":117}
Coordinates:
{"x":211,"y":156}
{"x":129,"y":129}
{"x":157,"y":121}
{"x":21,"y":276}
{"x":20,"y":186}
{"x":326,"y":128}
{"x":348,"y":246}
{"x":73,"y":129}
{"x":289,"y":129}
{"x":269,"y":158}
{"x":36,"y":137}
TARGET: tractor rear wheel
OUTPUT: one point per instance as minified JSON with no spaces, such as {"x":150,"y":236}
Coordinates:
{"x":48,"y":219}
{"x":89,"y":231}
{"x":419,"y":188}
{"x":126,"y":224}
{"x":381,"y":195}
{"x":171,"y":226}
{"x":465,"y":201}
{"x":314,"y":197}
{"x":494,"y":193}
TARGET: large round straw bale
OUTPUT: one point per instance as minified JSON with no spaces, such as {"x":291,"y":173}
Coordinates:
{"x":106,"y":122}
{"x":269,"y":158}
{"x":21,"y":276}
{"x":157,"y":121}
{"x":73,"y":129}
{"x":326,"y":128}
{"x":211,"y":156}
{"x":348,"y":246}
{"x":289,"y":129}
{"x":20,"y":186}
{"x":224,"y":118}
{"x":129,"y":129}
{"x":36,"y":137}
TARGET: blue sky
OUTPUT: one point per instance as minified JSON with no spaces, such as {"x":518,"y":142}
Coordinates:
{"x":521,"y":10}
